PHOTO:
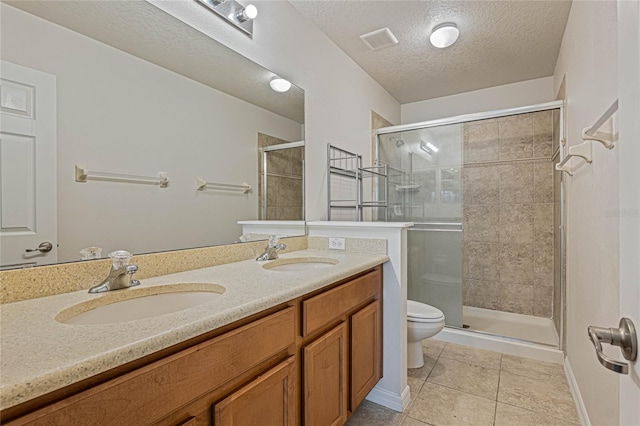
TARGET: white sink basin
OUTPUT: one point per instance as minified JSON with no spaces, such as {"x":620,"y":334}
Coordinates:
{"x":140,"y":303}
{"x":301,"y":264}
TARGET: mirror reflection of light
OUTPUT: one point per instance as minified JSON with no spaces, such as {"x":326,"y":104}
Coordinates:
{"x":428,"y":147}
{"x":280,"y":84}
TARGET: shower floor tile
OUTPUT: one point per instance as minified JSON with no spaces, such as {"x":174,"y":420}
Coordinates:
{"x":529,"y":392}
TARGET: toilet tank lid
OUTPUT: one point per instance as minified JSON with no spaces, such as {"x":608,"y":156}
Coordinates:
{"x":422,"y":310}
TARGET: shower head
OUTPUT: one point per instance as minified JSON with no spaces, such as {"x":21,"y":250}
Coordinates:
{"x":399,"y":142}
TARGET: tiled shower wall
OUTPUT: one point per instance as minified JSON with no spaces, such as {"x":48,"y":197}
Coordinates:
{"x":284,"y":181}
{"x":508,"y":217}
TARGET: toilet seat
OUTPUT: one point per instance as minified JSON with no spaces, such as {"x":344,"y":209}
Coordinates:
{"x":421,"y":312}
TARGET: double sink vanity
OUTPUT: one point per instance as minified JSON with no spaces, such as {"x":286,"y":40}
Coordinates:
{"x":296,"y":340}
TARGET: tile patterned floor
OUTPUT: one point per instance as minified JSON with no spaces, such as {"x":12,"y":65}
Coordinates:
{"x":460,"y":385}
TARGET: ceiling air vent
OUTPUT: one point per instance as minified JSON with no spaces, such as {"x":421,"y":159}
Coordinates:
{"x":378,"y":39}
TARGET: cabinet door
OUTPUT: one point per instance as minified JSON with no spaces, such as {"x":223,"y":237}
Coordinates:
{"x":366,"y":352}
{"x":325,"y":379}
{"x":267,"y":400}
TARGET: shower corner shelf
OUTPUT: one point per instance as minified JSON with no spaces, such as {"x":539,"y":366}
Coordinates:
{"x":349,"y":165}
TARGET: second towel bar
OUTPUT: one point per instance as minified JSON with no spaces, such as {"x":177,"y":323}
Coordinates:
{"x":202,"y":184}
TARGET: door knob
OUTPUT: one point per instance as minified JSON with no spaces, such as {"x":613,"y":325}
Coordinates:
{"x":624,"y":336}
{"x":45,"y":247}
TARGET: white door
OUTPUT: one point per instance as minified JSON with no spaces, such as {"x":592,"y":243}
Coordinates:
{"x":629,"y":145}
{"x":28,"y":212}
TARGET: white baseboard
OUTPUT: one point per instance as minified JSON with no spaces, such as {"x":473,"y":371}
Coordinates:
{"x":575,"y":391}
{"x":389,"y":399}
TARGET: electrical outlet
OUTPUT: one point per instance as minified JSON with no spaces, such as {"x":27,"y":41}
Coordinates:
{"x":336,"y":243}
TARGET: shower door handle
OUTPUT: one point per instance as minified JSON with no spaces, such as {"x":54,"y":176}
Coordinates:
{"x":624,"y":336}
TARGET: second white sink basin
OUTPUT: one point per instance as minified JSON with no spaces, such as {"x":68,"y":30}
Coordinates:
{"x":301,"y":264}
{"x":129,"y":305}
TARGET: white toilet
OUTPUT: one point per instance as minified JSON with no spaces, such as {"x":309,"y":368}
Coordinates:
{"x":423,"y":321}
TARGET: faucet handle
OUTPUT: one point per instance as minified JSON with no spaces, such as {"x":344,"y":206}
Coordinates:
{"x":120,"y":258}
{"x":273,"y":241}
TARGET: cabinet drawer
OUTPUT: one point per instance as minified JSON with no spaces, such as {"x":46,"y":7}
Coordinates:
{"x":150,"y":393}
{"x":319,"y":310}
{"x":268,"y":400}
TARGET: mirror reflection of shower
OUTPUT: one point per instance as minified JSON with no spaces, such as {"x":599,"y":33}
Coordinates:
{"x":280,"y":179}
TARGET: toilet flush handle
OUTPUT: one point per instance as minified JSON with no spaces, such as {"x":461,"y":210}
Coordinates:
{"x":624,"y":336}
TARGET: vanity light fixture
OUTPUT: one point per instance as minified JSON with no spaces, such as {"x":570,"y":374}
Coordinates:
{"x":444,"y":35}
{"x":428,"y":147}
{"x":280,"y":85}
{"x":234,"y":13}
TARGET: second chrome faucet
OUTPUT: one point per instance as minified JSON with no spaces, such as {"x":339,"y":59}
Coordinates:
{"x":271,"y":251}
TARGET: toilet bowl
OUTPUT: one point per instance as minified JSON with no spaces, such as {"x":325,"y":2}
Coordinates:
{"x":423,"y":321}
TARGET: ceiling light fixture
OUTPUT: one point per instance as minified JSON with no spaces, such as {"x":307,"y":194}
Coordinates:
{"x":280,"y":84}
{"x":444,"y":35}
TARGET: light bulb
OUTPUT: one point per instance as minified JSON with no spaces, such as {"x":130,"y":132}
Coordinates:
{"x":249,"y":12}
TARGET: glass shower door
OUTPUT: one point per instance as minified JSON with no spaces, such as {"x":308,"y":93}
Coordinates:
{"x":427,"y":190}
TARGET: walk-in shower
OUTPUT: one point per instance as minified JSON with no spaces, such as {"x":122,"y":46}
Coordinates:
{"x":486,"y":203}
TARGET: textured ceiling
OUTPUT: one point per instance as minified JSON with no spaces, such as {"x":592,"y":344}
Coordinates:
{"x":500,"y":42}
{"x":143,"y":30}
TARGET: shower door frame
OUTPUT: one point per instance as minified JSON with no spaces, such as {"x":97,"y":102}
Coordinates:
{"x":460,"y":119}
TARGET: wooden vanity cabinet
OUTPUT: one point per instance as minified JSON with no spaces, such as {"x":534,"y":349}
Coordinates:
{"x":310,"y":361}
{"x":342,"y":364}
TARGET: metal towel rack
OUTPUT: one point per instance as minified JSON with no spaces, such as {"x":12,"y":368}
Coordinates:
{"x":589,"y":134}
{"x":202,"y":184}
{"x":83,"y":175}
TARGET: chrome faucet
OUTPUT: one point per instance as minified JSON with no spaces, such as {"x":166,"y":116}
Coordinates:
{"x":271,"y":251}
{"x":120,"y":275}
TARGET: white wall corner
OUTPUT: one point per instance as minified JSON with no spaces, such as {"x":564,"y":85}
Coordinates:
{"x":575,"y":392}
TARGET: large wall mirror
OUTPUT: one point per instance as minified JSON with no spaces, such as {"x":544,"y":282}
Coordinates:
{"x":97,"y":90}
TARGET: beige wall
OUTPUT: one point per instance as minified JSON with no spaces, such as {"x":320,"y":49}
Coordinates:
{"x":512,"y":95}
{"x":508,"y":214}
{"x":339,"y":95}
{"x":588,"y":62}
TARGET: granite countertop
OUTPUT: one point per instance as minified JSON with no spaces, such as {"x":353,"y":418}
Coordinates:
{"x":40,"y":355}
